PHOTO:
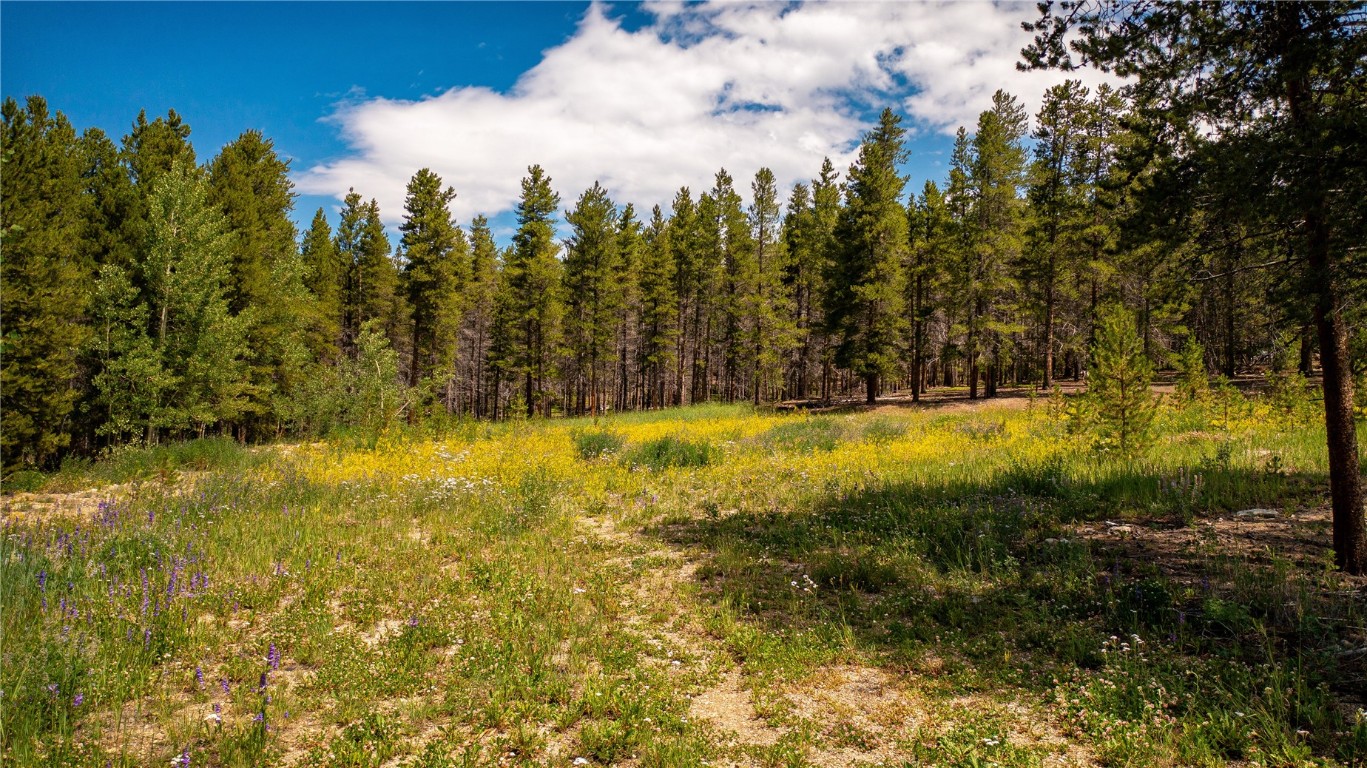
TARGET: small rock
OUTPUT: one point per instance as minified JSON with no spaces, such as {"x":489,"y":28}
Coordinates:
{"x":1257,"y":513}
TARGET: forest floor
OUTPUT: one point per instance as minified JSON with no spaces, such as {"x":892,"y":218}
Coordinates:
{"x":950,"y":583}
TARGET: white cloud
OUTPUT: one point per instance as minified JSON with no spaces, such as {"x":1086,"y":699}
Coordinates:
{"x":739,"y":86}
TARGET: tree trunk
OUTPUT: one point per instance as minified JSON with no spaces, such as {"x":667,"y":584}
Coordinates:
{"x":1345,"y":478}
{"x":1230,"y":334}
{"x":1307,"y":351}
{"x":1048,"y":382}
{"x":871,"y":388}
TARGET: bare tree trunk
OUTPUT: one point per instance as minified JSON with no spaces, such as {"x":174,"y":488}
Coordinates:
{"x":1345,"y":478}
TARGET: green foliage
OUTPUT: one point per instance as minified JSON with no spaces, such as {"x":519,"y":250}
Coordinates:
{"x":530,"y":306}
{"x":173,"y":354}
{"x":375,"y":392}
{"x":1290,"y":391}
{"x":865,"y":303}
{"x":325,"y":277}
{"x":1193,"y":384}
{"x":805,"y":434}
{"x":671,"y":451}
{"x":44,"y":281}
{"x":265,"y":287}
{"x":594,"y":290}
{"x":659,"y":304}
{"x":882,"y":430}
{"x":372,"y":279}
{"x":1122,"y":406}
{"x":769,"y":331}
{"x":597,"y":443}
{"x":129,"y":462}
{"x":436,"y":271}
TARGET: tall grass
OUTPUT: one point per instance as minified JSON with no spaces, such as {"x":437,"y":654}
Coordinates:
{"x":441,"y":601}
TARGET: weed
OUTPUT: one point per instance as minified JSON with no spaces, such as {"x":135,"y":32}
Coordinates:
{"x":670,"y":451}
{"x":805,"y":434}
{"x":597,"y":443}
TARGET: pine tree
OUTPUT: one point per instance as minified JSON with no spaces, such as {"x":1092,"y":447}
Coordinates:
{"x":114,"y":221}
{"x":1118,"y":384}
{"x":593,"y":295}
{"x":731,"y":266}
{"x":154,"y":148}
{"x":480,"y":296}
{"x":533,"y":302}
{"x":437,"y":270}
{"x":825,"y":215}
{"x":659,"y":308}
{"x":683,"y":242}
{"x":250,"y":184}
{"x":375,"y":278}
{"x":43,"y":281}
{"x":800,"y":278}
{"x":630,"y":246}
{"x":930,"y":230}
{"x":325,"y":277}
{"x":998,"y":219}
{"x":1057,"y":195}
{"x":347,"y":241}
{"x":1282,"y":81}
{"x":771,"y":330}
{"x":865,"y":307}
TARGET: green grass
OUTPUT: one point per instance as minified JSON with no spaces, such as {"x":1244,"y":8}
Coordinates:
{"x":128,"y":463}
{"x":525,"y":594}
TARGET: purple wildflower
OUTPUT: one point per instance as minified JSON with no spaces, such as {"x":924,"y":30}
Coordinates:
{"x":273,"y":657}
{"x":262,"y":686}
{"x":42,"y":580}
{"x":199,"y":677}
{"x":78,"y":700}
{"x":223,"y":683}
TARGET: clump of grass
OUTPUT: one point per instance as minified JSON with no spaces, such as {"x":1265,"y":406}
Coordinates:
{"x":983,"y":430}
{"x":597,"y":443}
{"x":23,"y":480}
{"x":883,"y":430}
{"x":861,"y":570}
{"x":127,"y":463}
{"x":672,"y":451}
{"x":805,"y":435}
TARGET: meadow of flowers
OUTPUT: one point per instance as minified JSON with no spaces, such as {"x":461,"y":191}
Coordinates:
{"x":711,"y":585}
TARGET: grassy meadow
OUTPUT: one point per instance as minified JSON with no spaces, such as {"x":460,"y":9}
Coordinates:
{"x":703,"y":586}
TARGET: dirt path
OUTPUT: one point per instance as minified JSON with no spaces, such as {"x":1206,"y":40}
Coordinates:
{"x":841,"y":716}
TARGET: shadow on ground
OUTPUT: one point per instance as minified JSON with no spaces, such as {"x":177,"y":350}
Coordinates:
{"x":1023,"y":581}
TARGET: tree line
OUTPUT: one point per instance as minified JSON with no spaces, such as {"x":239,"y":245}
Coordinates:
{"x":148,"y":296}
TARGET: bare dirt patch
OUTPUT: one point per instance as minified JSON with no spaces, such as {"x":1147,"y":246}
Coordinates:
{"x":729,"y":707}
{"x":79,"y":505}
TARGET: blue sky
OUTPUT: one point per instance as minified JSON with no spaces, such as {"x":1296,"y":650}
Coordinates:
{"x":644,"y":98}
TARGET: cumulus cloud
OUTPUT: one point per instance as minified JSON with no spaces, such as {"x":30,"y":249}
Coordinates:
{"x":700,"y":87}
